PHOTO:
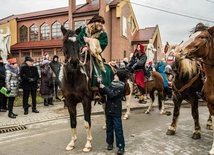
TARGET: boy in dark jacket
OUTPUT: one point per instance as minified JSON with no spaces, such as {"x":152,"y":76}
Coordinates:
{"x":113,"y":111}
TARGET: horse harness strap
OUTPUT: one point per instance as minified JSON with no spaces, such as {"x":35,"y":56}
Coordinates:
{"x":186,"y":85}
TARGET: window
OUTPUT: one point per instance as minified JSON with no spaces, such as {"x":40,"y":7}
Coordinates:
{"x":59,"y":52}
{"x":25,"y":53}
{"x":56,"y":31}
{"x":36,"y":53}
{"x":23,"y":34}
{"x":15,"y":54}
{"x":33,"y":33}
{"x":66,"y":24}
{"x":124,"y":26}
{"x":77,"y":24}
{"x":45,"y":32}
{"x":131,"y":23}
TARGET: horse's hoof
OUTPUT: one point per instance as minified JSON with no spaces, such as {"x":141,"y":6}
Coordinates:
{"x":196,"y":136}
{"x":104,"y":127}
{"x":170,"y":132}
{"x":68,"y":148}
{"x":125,"y":117}
{"x":146,"y":112}
{"x":87,"y":149}
{"x":209,"y":127}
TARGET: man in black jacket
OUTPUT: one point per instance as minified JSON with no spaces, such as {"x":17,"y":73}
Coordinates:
{"x":29,"y":75}
{"x":3,"y":99}
{"x":55,"y":66}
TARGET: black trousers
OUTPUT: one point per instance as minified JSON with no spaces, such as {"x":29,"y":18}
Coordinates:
{"x":10,"y":104}
{"x":26,"y":94}
{"x":3,"y":101}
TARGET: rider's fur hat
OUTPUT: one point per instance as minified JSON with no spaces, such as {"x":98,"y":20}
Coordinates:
{"x":97,"y":18}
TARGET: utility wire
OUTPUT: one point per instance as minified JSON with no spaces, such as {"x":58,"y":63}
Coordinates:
{"x":178,"y":14}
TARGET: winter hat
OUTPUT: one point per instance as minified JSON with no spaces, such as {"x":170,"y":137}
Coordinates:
{"x":12,"y":61}
{"x":97,"y":18}
{"x":45,"y":62}
{"x":121,"y":73}
{"x":28,"y":58}
{"x":45,"y":56}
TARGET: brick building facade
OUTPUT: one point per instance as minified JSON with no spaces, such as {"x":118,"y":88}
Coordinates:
{"x":39,"y":32}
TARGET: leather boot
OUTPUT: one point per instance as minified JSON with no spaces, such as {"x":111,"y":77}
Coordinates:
{"x":25,"y":111}
{"x":11,"y":115}
{"x":120,"y":151}
{"x":141,"y":100}
{"x":96,"y":94}
{"x":45,"y":102}
{"x":50,"y":101}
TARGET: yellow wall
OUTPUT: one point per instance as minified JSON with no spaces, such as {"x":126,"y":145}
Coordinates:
{"x":12,"y":24}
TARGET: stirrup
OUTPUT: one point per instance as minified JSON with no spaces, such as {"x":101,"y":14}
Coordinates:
{"x":97,"y":96}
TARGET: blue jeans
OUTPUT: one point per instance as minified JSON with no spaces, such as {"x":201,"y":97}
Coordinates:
{"x":114,"y":124}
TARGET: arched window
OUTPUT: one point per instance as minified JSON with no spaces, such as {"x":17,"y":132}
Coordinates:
{"x":45,"y":32}
{"x":66,"y":24}
{"x":56,"y":31}
{"x":23,"y":34}
{"x":33,"y":33}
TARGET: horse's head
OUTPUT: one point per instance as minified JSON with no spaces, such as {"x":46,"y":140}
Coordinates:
{"x":70,"y":47}
{"x":198,"y":44}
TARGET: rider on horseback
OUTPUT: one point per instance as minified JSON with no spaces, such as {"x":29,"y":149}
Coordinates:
{"x":137,"y":65}
{"x":93,"y":38}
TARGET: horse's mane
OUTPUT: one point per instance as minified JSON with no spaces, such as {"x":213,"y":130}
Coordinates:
{"x":187,"y":67}
{"x":199,"y":27}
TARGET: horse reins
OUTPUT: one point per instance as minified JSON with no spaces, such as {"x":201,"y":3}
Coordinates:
{"x":186,"y":85}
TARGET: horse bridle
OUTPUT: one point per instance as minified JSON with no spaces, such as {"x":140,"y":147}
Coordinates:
{"x":199,"y":59}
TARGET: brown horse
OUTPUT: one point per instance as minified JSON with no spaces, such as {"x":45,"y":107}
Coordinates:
{"x":150,"y":87}
{"x":187,"y":81}
{"x":201,"y":45}
{"x":75,"y":87}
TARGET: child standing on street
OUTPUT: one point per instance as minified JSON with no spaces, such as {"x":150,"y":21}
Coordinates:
{"x":113,"y":111}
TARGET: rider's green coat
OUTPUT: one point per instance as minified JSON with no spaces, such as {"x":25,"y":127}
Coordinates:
{"x":101,"y":35}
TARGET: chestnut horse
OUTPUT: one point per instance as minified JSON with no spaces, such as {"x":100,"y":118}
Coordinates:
{"x":150,"y":87}
{"x":187,"y":81}
{"x":201,"y":45}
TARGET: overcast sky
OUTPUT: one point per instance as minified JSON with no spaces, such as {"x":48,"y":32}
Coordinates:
{"x":175,"y":20}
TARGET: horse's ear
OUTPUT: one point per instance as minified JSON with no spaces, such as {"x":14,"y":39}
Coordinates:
{"x":211,"y":30}
{"x":78,"y":30}
{"x":63,"y":29}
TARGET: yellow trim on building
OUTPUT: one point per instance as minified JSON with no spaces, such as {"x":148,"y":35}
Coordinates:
{"x":12,"y":24}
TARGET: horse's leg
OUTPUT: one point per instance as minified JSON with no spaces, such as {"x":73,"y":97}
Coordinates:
{"x":73,"y":123}
{"x":176,"y":112}
{"x":161,"y":101}
{"x":128,"y":98}
{"x":87,"y":122}
{"x":104,"y":125}
{"x":152,"y":99}
{"x":209,"y":123}
{"x":195,"y":115}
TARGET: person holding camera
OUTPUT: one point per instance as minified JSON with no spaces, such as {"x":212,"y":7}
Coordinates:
{"x":29,"y":75}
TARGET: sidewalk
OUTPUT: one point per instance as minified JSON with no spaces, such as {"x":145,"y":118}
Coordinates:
{"x":56,"y":111}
